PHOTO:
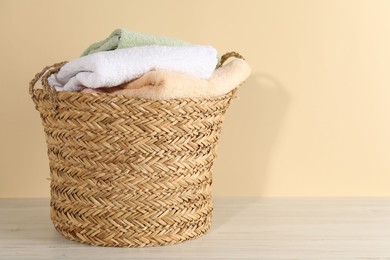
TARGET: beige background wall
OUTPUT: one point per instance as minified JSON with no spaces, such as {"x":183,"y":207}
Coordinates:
{"x":312,"y":120}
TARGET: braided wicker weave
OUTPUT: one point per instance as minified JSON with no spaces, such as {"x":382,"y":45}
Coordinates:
{"x":129,"y":172}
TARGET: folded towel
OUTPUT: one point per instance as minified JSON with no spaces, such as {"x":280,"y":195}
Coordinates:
{"x":164,"y":85}
{"x":112,"y":68}
{"x":121,"y":38}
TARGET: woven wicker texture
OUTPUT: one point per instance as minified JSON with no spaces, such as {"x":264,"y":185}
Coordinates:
{"x":129,"y":172}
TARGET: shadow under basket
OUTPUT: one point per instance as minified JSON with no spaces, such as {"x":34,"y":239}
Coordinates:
{"x":129,"y":172}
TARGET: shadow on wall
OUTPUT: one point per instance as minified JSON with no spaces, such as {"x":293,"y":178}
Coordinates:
{"x":247,"y":141}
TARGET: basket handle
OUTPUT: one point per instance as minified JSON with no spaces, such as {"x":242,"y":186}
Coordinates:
{"x":44,"y":74}
{"x":228,"y":55}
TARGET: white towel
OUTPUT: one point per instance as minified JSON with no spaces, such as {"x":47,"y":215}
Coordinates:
{"x":113,"y":68}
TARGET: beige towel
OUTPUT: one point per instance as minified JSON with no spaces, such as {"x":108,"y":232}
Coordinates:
{"x":164,"y":85}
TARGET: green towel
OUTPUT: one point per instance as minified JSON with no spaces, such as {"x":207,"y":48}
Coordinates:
{"x":121,"y":38}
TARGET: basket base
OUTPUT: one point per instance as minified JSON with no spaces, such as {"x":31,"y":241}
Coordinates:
{"x":144,"y":239}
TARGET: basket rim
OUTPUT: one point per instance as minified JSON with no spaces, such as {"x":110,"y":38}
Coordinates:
{"x":65,"y":94}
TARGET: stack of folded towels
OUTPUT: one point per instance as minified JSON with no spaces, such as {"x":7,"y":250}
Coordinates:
{"x":148,"y":66}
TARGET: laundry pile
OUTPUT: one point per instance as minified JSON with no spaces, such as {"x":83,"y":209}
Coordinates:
{"x":148,"y":66}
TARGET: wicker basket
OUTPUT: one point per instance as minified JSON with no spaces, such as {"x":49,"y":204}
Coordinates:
{"x":129,"y":172}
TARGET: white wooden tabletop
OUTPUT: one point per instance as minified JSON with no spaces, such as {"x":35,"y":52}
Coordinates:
{"x":277,"y":228}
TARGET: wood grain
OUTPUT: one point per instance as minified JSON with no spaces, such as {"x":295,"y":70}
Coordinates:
{"x":277,"y":228}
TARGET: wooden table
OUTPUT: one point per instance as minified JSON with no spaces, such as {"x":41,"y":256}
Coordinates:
{"x":274,"y":228}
